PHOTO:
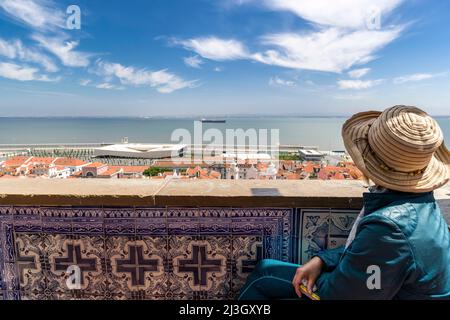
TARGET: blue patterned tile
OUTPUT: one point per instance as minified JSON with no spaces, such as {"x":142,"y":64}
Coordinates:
{"x":120,"y":226}
{"x":89,"y":221}
{"x":323,"y":229}
{"x":12,"y":295}
{"x":141,"y":269}
{"x":215,"y":221}
{"x":151,"y":221}
{"x":11,"y":277}
{"x":341,"y":222}
{"x":56,"y":220}
{"x":201,"y":264}
{"x":42,"y":242}
{"x":247,"y":252}
{"x":183,"y":221}
{"x":314,"y":233}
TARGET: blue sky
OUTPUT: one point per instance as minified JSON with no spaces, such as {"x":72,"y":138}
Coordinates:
{"x":198,"y":57}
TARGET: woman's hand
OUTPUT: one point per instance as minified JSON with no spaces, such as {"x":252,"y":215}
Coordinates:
{"x":309,"y":272}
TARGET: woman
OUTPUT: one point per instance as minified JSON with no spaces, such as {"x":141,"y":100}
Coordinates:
{"x":399,"y":247}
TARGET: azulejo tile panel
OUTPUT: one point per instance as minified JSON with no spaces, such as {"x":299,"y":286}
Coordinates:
{"x":321,"y":229}
{"x":153,"y":253}
{"x":137,"y":253}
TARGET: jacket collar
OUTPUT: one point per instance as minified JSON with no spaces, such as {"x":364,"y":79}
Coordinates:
{"x":375,"y":201}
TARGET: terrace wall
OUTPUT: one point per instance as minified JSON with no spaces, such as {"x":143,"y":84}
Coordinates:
{"x":172,"y":239}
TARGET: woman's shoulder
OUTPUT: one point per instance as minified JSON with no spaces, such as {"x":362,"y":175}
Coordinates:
{"x":401,"y":217}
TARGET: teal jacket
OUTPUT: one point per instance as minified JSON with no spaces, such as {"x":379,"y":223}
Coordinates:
{"x":406,"y":236}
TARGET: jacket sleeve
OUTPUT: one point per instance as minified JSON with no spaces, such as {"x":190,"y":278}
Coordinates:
{"x":379,"y":249}
{"x":331,"y":257}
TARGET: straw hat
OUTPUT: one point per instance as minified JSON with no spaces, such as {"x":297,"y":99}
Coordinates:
{"x":401,"y":148}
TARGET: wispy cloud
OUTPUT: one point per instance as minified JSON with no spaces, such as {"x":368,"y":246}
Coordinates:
{"x":37,"y":14}
{"x":47,"y":23}
{"x":340,"y":37}
{"x":162,"y":80}
{"x":193,"y":62}
{"x":17,"y":50}
{"x":358,"y":73}
{"x":358,"y":84}
{"x":22,"y":73}
{"x":416,"y":77}
{"x":215,"y":48}
{"x":85,"y":82}
{"x":277,"y":81}
{"x":64,"y":50}
{"x":331,"y":50}
{"x":108,"y":86}
{"x":346,"y":14}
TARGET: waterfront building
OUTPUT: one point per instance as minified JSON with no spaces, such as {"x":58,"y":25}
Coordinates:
{"x":141,"y":151}
{"x":310,"y":155}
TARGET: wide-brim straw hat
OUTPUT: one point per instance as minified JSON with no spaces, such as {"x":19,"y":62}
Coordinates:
{"x":401,"y":148}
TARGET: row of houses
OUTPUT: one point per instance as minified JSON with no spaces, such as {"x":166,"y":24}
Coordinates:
{"x":237,"y":169}
{"x":63,"y":168}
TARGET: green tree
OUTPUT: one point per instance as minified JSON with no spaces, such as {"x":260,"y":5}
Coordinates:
{"x":154,"y":171}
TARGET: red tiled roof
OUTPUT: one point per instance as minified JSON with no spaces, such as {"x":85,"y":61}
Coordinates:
{"x":293,"y":176}
{"x":171,"y":164}
{"x":109,"y":172}
{"x":15,"y":161}
{"x":69,"y":162}
{"x":43,"y":160}
{"x":95,"y":165}
{"x":131,"y":169}
{"x":215,"y":174}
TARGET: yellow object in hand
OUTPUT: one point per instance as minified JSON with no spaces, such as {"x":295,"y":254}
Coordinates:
{"x":309,"y":294}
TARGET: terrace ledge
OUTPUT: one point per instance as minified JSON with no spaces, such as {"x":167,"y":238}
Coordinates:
{"x":174,"y":192}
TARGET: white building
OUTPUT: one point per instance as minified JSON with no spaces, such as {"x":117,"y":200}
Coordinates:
{"x":232,"y":172}
{"x":271,"y":172}
{"x":61,"y":172}
{"x":255,"y":157}
{"x":310,"y":155}
{"x":141,"y":151}
{"x":75,"y":165}
{"x":252,"y":173}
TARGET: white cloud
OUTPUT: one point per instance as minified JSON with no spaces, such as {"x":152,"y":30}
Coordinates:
{"x":358,"y":73}
{"x":414,"y":77}
{"x":64,"y":50}
{"x":22,"y":73}
{"x":16,"y":50}
{"x":38,"y":14}
{"x":193,"y":62}
{"x":162,"y":81}
{"x":218,"y":69}
{"x":214,"y":48}
{"x":340,"y":38}
{"x":108,"y":86}
{"x":85,"y":82}
{"x":277,"y":81}
{"x":331,"y":50}
{"x":336,"y":13}
{"x":358,"y":84}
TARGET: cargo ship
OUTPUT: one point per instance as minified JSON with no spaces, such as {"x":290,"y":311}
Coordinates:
{"x":213,"y":120}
